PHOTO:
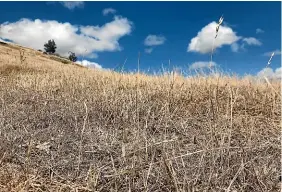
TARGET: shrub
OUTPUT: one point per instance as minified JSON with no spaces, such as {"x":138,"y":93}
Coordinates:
{"x":50,"y":46}
{"x":72,"y":57}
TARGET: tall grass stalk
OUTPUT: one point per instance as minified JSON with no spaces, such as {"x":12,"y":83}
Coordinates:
{"x":214,"y":39}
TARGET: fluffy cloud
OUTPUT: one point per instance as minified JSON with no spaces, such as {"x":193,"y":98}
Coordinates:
{"x":276,"y":52}
{"x":258,"y":30}
{"x":109,"y":11}
{"x":252,"y":41}
{"x":270,"y":73}
{"x":110,"y":31}
{"x":89,"y":64}
{"x":202,"y":65}
{"x":149,"y":50}
{"x":72,"y":4}
{"x":82,"y":40}
{"x":203,"y":42}
{"x":153,"y":40}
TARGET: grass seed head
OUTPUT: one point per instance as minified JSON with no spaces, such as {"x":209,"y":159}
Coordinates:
{"x":218,"y":25}
{"x":269,"y":61}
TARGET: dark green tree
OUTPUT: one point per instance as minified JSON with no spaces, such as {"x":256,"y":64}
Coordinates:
{"x":72,"y":57}
{"x":50,"y":46}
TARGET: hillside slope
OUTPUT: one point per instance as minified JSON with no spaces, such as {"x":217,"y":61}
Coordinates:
{"x":68,"y":128}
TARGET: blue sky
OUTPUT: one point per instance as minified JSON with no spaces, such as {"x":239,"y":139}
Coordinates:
{"x":108,"y":33}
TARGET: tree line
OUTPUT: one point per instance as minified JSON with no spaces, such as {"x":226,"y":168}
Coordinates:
{"x":50,"y":48}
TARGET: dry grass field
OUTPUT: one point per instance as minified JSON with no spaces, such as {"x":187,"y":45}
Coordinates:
{"x":70,"y":128}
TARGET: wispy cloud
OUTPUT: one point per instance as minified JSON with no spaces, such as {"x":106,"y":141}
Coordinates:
{"x":252,"y":41}
{"x":109,"y":11}
{"x":258,"y":30}
{"x":72,"y":4}
{"x":235,"y":47}
{"x":153,"y":40}
{"x":82,"y":40}
{"x":276,"y":52}
{"x":202,"y":65}
{"x":149,"y":50}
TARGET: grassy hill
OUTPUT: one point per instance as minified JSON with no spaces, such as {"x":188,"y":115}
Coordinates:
{"x":64,"y":127}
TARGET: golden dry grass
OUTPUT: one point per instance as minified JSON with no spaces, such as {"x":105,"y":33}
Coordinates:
{"x":67,"y":128}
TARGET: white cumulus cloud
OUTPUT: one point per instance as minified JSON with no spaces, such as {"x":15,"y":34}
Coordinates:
{"x":258,"y":30}
{"x":203,"y":42}
{"x":90,"y":64}
{"x":153,"y":40}
{"x":110,"y":31}
{"x":202,"y":65}
{"x":109,"y":11}
{"x":82,"y":40}
{"x":252,"y":41}
{"x":270,"y":73}
{"x":72,"y":4}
